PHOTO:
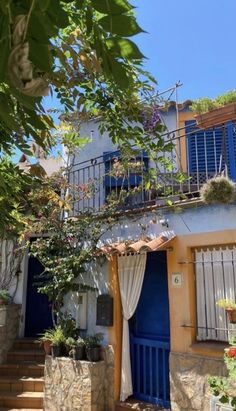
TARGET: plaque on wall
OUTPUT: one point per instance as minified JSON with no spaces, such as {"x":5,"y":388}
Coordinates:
{"x":104,"y":310}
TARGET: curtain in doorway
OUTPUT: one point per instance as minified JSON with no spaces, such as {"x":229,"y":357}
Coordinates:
{"x":131,"y":270}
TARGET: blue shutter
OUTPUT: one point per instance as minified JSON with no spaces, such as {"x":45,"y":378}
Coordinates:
{"x":133,"y":180}
{"x":204,"y":148}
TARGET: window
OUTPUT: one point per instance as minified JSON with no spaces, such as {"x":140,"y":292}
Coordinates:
{"x":204,"y":148}
{"x":215,"y":270}
{"x":117,"y":177}
{"x":209,"y":151}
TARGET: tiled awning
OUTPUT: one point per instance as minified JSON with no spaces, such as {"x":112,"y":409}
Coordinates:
{"x":159,"y":243}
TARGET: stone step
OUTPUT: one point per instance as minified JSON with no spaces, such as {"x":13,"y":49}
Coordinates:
{"x":25,"y":356}
{"x":137,"y":406}
{"x":26,"y":399}
{"x":21,"y":409}
{"x":26,"y":344}
{"x":8,"y":383}
{"x":22,"y":370}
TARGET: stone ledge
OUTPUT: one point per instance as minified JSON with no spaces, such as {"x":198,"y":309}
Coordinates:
{"x":208,"y":349}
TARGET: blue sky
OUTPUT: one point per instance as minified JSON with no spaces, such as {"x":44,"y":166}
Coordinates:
{"x":193,"y":41}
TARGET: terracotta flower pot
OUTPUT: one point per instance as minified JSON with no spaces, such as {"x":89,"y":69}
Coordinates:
{"x":47,"y":347}
{"x":231,"y":313}
{"x":217,"y":116}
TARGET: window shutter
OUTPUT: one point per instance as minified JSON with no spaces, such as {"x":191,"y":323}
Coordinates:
{"x":215,"y":270}
{"x":204,"y":148}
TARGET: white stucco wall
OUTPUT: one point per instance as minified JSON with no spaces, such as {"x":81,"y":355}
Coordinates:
{"x":95,"y":276}
{"x":85,"y":169}
{"x":101,"y":143}
{"x":197,"y":219}
{"x":193,"y":220}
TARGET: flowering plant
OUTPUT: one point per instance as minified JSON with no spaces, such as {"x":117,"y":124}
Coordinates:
{"x":225,"y":387}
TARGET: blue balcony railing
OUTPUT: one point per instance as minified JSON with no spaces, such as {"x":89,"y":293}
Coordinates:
{"x":196,"y":156}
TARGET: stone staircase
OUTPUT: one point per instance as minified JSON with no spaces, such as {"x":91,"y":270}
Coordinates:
{"x":21,"y":377}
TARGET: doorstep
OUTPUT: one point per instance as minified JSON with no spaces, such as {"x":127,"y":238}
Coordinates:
{"x":137,"y":405}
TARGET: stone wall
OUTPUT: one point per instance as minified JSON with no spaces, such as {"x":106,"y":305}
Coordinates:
{"x":108,"y":356}
{"x":79,"y":385}
{"x":188,"y":381}
{"x":9,"y":328}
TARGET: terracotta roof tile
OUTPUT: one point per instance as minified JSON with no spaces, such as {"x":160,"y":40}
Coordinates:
{"x":155,"y":244}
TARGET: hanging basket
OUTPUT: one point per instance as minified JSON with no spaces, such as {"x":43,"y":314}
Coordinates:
{"x":231,"y":314}
{"x":217,"y":116}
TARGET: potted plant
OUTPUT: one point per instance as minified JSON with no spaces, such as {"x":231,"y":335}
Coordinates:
{"x":230,"y":308}
{"x":5,"y":297}
{"x":224,"y":388}
{"x":93,"y":347}
{"x":212,"y":112}
{"x":57,"y":339}
{"x":76,"y":348}
{"x":46,"y":341}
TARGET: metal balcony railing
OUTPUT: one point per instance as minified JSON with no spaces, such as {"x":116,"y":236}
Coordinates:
{"x":194,"y":156}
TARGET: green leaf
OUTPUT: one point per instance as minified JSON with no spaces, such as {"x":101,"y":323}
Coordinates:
{"x":43,"y":4}
{"x":119,"y":73}
{"x":26,"y":101}
{"x":120,"y":24}
{"x":89,"y":21}
{"x":4,"y":6}
{"x":124,"y":48}
{"x":57,"y":14}
{"x":4,"y":44}
{"x":40,"y":55}
{"x":224,"y":399}
{"x":35,"y":120}
{"x":111,"y":6}
{"x":41,"y":28}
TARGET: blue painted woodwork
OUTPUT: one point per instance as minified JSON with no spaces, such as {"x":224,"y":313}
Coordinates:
{"x":133,"y":180}
{"x":231,"y":150}
{"x":150,"y":335}
{"x":38,"y":312}
{"x":205,"y":148}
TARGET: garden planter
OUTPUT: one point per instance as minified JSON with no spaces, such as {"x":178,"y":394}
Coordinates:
{"x":78,"y":353}
{"x":56,"y":350}
{"x":93,"y":354}
{"x":47,"y":347}
{"x":217,"y":116}
{"x":231,"y":314}
{"x":2,"y":302}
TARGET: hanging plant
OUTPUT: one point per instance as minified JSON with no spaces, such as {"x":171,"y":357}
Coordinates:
{"x":218,"y":190}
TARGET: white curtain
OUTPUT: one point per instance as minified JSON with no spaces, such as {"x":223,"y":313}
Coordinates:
{"x":131,"y":270}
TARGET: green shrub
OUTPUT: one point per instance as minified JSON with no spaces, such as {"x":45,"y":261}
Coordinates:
{"x":205,"y":104}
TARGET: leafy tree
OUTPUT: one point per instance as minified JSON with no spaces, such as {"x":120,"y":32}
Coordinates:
{"x":62,"y":47}
{"x":80,"y":51}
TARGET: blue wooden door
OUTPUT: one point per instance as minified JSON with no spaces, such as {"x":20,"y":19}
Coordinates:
{"x":38,"y":312}
{"x":150,"y":335}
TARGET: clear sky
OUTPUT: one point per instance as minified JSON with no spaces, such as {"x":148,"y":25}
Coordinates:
{"x":193,"y":41}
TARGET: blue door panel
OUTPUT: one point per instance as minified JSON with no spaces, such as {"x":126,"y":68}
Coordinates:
{"x":150,"y":335}
{"x":38,"y":312}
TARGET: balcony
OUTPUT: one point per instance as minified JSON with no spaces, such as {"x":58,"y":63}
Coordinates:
{"x":196,"y":155}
